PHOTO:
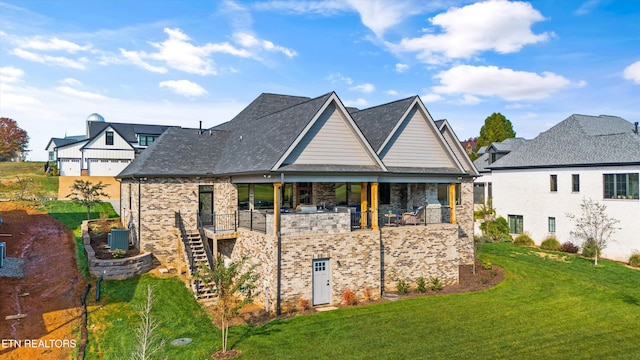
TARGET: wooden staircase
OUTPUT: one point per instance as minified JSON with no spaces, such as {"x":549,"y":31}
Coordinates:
{"x":198,"y":259}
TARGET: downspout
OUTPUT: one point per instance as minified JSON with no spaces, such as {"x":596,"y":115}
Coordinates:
{"x":279,"y":287}
{"x":139,"y":213}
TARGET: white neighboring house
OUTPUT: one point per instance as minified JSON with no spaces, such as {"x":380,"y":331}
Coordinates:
{"x":597,"y":157}
{"x":105,"y":150}
{"x":482,"y":186}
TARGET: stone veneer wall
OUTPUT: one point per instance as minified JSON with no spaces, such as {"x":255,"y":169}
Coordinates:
{"x":414,"y":251}
{"x":160,"y":199}
{"x":317,"y":223}
{"x":410,"y":251}
{"x":464,"y":218}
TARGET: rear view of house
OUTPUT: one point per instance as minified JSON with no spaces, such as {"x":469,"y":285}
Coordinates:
{"x":315,"y":194}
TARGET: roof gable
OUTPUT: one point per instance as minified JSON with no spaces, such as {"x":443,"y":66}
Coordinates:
{"x":98,"y":141}
{"x":416,"y":142}
{"x":456,"y":147}
{"x":331,"y":138}
{"x":378,"y":122}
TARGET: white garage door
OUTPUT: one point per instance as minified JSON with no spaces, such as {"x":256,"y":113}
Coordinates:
{"x":70,"y":167}
{"x":106,"y":167}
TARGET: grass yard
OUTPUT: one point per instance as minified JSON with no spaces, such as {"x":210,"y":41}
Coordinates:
{"x":26,"y":180}
{"x":547,"y":307}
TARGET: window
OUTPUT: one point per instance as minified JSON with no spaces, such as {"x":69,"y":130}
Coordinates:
{"x":515,"y":224}
{"x":552,"y":224}
{"x":263,"y":196}
{"x":553,"y":183}
{"x":243,"y":196}
{"x":146,"y":140}
{"x":621,"y":186}
{"x":52,"y":155}
{"x":305,"y":192}
{"x":384,"y":193}
{"x":478,"y":193}
{"x":575,"y":183}
{"x":347,"y":194}
{"x":108,"y":137}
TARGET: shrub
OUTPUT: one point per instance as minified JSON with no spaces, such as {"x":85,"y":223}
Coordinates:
{"x":487,"y":265}
{"x":482,"y":239}
{"x":304,"y":304}
{"x":550,"y":243}
{"x":421,"y":285}
{"x":634,"y":259}
{"x":495,"y":228}
{"x":523,"y":240}
{"x":590,"y":248}
{"x":366,"y":294}
{"x":403,"y":286}
{"x":505,"y":238}
{"x":349,"y":297}
{"x":436,"y":284}
{"x":569,"y":247}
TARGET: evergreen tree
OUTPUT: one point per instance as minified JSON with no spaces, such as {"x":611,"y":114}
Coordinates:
{"x":496,"y":128}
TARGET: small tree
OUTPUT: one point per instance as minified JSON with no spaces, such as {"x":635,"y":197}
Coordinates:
{"x":24,"y":185}
{"x":594,"y":226}
{"x":234,"y":287}
{"x":496,"y":128}
{"x":87,"y":194}
{"x":148,"y":343}
{"x":13,"y":140}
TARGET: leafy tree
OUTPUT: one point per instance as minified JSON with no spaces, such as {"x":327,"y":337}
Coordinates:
{"x":594,"y":226}
{"x":496,"y":128}
{"x":234,"y":287}
{"x":13,"y":140}
{"x":87,"y":194}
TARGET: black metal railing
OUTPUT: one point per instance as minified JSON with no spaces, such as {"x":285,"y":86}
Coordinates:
{"x":179,"y":223}
{"x":205,"y":243}
{"x":253,"y":220}
{"x":356,"y":219}
{"x":220,"y":222}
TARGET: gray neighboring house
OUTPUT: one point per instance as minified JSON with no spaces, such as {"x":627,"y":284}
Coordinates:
{"x":322,"y":198}
{"x":537,"y":184}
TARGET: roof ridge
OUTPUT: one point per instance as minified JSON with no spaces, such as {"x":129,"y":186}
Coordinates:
{"x":386,"y":104}
{"x":292,"y":106}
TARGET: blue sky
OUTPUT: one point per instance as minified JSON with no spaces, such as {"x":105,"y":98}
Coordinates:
{"x":181,"y":62}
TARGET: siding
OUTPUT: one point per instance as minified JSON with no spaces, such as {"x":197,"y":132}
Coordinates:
{"x":331,"y":141}
{"x":100,"y":142}
{"x":415,"y":144}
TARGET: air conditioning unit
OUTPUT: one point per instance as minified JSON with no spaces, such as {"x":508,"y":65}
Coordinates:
{"x":119,"y":239}
{"x":3,"y":253}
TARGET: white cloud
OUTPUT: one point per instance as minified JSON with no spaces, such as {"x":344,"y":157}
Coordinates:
{"x":10,"y":74}
{"x":80,"y":94}
{"x":52,"y":44}
{"x":505,"y":83}
{"x":135,"y":58}
{"x":70,"y":82}
{"x":338,"y":77}
{"x":632,"y":72}
{"x":50,"y":60}
{"x":497,"y":25}
{"x":380,"y":15}
{"x":586,"y":7}
{"x":250,"y":41}
{"x":358,"y":103}
{"x":430,"y":98}
{"x":184,"y":87}
{"x":400,"y":68}
{"x":392,"y":92}
{"x":365,"y":88}
{"x":325,"y":8}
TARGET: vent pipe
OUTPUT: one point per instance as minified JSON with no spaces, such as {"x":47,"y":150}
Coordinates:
{"x":636,"y":130}
{"x":200,"y":131}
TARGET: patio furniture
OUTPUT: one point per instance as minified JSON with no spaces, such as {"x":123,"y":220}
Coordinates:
{"x":391,"y":219}
{"x":413,"y":218}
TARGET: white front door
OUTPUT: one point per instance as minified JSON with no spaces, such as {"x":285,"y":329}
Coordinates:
{"x":321,"y":281}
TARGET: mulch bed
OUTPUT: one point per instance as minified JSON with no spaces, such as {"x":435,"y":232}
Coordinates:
{"x":99,"y":232}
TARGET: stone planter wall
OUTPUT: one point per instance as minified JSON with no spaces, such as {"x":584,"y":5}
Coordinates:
{"x":115,"y":269}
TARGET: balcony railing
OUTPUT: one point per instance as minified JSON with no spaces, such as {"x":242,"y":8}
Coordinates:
{"x":220,"y":222}
{"x":253,"y":220}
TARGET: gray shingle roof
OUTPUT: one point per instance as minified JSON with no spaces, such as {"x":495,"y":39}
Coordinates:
{"x":579,"y":140}
{"x":504,"y":147}
{"x":127,"y":131}
{"x":376,"y":123}
{"x":179,"y":152}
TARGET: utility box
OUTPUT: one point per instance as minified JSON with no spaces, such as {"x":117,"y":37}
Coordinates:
{"x":3,"y":253}
{"x":118,"y":239}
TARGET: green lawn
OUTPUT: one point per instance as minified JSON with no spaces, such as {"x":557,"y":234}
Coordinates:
{"x":544,"y":309}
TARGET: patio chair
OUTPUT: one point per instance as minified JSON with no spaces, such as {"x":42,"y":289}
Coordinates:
{"x":413,"y":218}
